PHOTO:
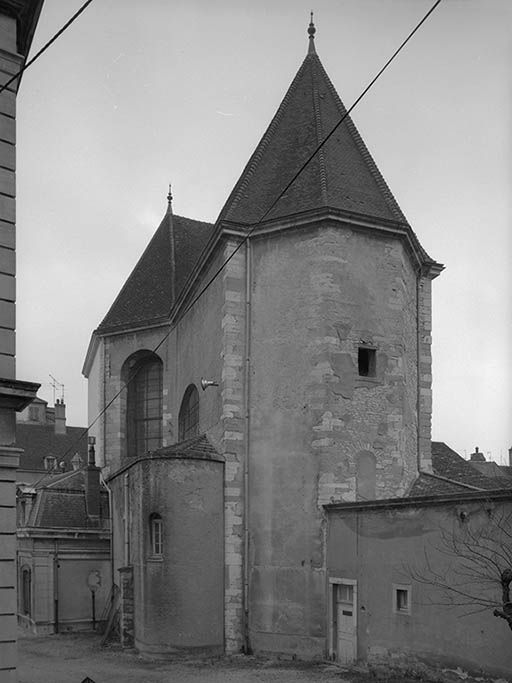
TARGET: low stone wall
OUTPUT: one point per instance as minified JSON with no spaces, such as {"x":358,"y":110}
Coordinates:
{"x":127,"y":607}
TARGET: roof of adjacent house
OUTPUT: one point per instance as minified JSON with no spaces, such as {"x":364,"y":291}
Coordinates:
{"x":451,"y":473}
{"x":40,"y":440}
{"x":491,"y":469}
{"x":154,"y":284}
{"x":61,"y":503}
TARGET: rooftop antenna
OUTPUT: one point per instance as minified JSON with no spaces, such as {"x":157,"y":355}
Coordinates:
{"x":56,"y":384}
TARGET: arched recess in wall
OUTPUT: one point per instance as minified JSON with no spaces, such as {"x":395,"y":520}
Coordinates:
{"x":26,"y":590}
{"x":188,"y":419}
{"x":142,"y":373}
{"x":366,"y":475}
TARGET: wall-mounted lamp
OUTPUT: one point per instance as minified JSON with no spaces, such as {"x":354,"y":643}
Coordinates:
{"x":205,"y":383}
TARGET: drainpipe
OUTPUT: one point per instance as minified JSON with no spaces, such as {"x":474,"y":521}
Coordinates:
{"x":111,"y":535}
{"x":126,"y":519}
{"x":103,"y":423}
{"x":247,"y":369}
{"x":56,"y":588}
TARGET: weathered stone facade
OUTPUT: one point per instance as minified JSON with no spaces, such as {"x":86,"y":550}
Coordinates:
{"x":171,"y":600}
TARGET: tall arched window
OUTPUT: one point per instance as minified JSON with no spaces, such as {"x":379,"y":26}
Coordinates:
{"x":188,"y":420}
{"x":144,"y":404}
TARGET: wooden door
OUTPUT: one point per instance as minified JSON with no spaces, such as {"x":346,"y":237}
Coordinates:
{"x":345,"y":615}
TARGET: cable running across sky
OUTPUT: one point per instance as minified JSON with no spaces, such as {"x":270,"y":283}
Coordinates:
{"x":46,"y":46}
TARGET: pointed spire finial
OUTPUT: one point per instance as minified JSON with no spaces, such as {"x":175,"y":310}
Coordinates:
{"x":169,"y":200}
{"x":311,"y":31}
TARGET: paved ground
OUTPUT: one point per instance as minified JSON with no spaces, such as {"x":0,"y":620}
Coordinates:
{"x":71,"y":658}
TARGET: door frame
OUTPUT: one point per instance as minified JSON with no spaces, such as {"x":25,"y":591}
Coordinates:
{"x":334,"y":581}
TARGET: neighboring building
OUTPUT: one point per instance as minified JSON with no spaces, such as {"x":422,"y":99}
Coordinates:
{"x":313,"y":333}
{"x":64,"y":562}
{"x":391,"y":565}
{"x":18,"y":20}
{"x":48,"y":443}
{"x":450,"y":467}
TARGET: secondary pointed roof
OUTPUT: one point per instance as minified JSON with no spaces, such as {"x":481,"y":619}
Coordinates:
{"x":342,"y":175}
{"x":152,"y":287}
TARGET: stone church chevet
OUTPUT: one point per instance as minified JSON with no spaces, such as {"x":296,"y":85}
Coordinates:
{"x":252,"y":371}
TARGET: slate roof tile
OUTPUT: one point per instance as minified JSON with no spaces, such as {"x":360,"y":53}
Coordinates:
{"x":447,"y":463}
{"x":454,"y":474}
{"x":196,"y":447}
{"x":39,"y":441}
{"x":427,"y":485}
{"x":61,"y":503}
{"x":491,"y":469}
{"x":154,"y":284}
{"x":342,"y":175}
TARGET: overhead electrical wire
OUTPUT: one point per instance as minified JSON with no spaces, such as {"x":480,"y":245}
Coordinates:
{"x":46,"y":46}
{"x":261,"y":219}
{"x":4,"y":87}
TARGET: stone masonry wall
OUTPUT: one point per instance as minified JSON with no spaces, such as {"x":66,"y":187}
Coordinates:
{"x":232,"y":391}
{"x":425,"y":374}
{"x":126,"y":625}
{"x":320,"y":430}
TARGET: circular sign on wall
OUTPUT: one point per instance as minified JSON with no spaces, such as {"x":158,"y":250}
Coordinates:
{"x":94,"y":580}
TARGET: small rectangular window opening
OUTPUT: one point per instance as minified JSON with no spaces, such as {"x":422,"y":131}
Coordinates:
{"x":402,"y":600}
{"x":366,"y":361}
{"x":157,"y":536}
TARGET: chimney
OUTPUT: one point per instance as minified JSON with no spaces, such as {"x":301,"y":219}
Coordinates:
{"x":510,"y":456}
{"x":477,"y":456}
{"x":92,"y":485}
{"x":60,"y":417}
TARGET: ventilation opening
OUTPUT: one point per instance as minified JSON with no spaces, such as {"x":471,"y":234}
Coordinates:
{"x":366,"y":362}
{"x":402,"y":600}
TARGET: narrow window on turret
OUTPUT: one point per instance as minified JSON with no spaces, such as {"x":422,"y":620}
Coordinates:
{"x":366,"y":362}
{"x":156,"y":533}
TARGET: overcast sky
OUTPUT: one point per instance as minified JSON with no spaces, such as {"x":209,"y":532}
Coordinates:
{"x":139,"y":94}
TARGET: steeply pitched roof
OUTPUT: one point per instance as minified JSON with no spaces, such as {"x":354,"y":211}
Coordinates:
{"x":342,"y":175}
{"x":154,"y":284}
{"x":196,"y":447}
{"x":453,"y":474}
{"x":39,"y":441}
